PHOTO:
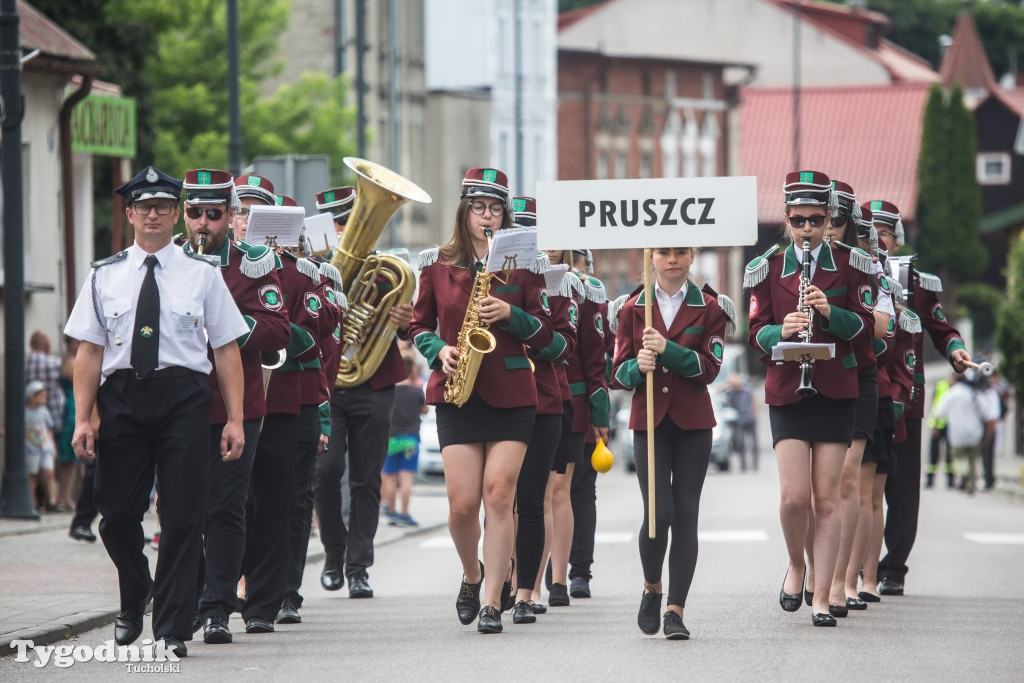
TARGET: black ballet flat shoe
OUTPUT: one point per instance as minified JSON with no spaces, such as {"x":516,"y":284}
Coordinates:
{"x":868,"y":597}
{"x":856,"y":604}
{"x":821,"y":619}
{"x":468,"y":603}
{"x":808,"y":597}
{"x":789,"y":601}
{"x":840,"y":611}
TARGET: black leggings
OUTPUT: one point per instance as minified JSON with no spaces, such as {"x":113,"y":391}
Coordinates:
{"x":530,"y":488}
{"x":681,"y":459}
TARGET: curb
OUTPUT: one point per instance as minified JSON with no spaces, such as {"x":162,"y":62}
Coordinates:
{"x":80,"y":622}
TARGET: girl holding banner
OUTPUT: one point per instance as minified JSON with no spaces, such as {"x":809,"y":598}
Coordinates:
{"x":683,"y":349}
{"x":484,"y":440}
{"x":812,"y":429}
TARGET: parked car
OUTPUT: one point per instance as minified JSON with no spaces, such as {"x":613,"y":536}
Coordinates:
{"x":430,"y":448}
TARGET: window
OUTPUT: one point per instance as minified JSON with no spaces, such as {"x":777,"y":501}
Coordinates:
{"x":646,"y":166}
{"x":993,"y":168}
{"x":620,"y":164}
{"x":602,"y":164}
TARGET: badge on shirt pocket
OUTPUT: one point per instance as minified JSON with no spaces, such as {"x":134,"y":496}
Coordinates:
{"x":187,"y":315}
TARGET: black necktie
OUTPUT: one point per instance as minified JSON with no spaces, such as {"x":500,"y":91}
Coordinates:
{"x":146,"y":337}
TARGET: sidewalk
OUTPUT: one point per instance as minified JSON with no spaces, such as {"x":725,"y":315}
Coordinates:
{"x":53,"y":586}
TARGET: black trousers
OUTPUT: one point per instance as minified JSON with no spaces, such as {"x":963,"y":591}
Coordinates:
{"x":903,"y":498}
{"x":938,"y":450}
{"x":583,"y":493}
{"x":360,"y":423}
{"x":301,"y":516}
{"x":681,"y":458}
{"x":85,"y":506}
{"x":224,"y":531}
{"x":155,"y":427}
{"x":530,"y":488}
{"x":267,"y":510}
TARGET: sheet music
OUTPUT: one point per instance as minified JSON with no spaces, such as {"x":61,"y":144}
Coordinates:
{"x":320,"y":232}
{"x":283,"y":223}
{"x":779,"y":349}
{"x":511,"y":249}
{"x":553,"y":278}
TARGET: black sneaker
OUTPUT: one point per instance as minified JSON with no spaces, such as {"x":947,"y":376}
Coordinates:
{"x":674,"y":628}
{"x":468,"y":603}
{"x":490,"y":620}
{"x":579,"y":587}
{"x":649,"y":616}
{"x":558,"y":596}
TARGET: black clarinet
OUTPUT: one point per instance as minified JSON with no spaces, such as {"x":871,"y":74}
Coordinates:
{"x":806,"y":388}
{"x":909,"y":299}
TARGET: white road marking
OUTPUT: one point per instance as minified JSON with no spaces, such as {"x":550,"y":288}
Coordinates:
{"x":612,"y":537}
{"x":994,"y":538}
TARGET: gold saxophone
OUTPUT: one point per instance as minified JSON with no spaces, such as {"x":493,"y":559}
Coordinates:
{"x":474,"y":341}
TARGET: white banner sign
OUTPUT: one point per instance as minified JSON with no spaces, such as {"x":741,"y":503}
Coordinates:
{"x":642,"y":213}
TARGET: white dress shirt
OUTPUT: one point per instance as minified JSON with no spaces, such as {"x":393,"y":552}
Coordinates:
{"x":195,"y":304}
{"x":669,"y":304}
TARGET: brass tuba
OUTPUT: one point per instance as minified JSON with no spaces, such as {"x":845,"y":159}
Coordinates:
{"x":368,"y":329}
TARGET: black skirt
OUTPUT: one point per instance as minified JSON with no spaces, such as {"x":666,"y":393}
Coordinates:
{"x":477,"y":422}
{"x":564,"y":439}
{"x":815,"y":419}
{"x":880,"y":449}
{"x":867,"y":403}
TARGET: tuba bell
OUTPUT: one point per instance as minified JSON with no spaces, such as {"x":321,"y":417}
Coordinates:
{"x":373,"y":283}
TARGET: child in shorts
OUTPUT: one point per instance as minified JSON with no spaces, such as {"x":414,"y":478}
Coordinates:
{"x":40,"y":447}
{"x":403,"y":447}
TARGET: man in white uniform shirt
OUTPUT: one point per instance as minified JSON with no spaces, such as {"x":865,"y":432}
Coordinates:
{"x":144,"y":319}
{"x":970,"y":413}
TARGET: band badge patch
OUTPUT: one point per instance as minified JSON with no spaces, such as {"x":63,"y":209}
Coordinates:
{"x":890,"y":330}
{"x":332,"y":298}
{"x":574,"y":314}
{"x":938,"y":314}
{"x":599,"y":323}
{"x":313,"y":304}
{"x":866,"y":298}
{"x":753,"y":306}
{"x":716,"y":345}
{"x":883,"y":282}
{"x":270,"y":297}
{"x":909,"y":360}
{"x":336,"y":335}
{"x":544,"y":303}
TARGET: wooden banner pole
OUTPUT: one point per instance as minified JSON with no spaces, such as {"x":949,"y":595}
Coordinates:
{"x":648,"y":295}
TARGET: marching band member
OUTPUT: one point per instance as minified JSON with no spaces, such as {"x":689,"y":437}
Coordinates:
{"x":903,"y":490}
{"x":483,"y":441}
{"x":811,"y":433}
{"x":252,"y":280}
{"x":683,"y":348}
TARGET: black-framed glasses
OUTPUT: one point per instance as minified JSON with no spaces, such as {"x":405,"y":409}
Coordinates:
{"x":479,"y":208}
{"x":195,"y":212}
{"x":162,"y":209}
{"x":798,"y":222}
{"x":886,"y":234}
{"x":242,"y":213}
{"x":838,"y":220}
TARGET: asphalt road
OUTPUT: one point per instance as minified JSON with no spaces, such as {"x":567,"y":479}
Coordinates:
{"x":960,"y":620}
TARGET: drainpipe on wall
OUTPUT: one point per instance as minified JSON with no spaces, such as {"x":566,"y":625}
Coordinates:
{"x":67,"y":177}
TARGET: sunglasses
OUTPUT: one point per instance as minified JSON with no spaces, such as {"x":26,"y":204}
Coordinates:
{"x":838,"y":221}
{"x":798,"y":222}
{"x":479,"y":208}
{"x":195,"y":212}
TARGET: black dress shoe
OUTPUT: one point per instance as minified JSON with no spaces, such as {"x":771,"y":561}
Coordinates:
{"x":289,"y":613}
{"x":359,"y":587}
{"x":868,"y":597}
{"x":579,"y":588}
{"x":547,"y":574}
{"x":331,"y":577}
{"x":128,"y":625}
{"x":808,"y":597}
{"x":856,"y":604}
{"x":174,"y":645}
{"x":838,"y":610}
{"x":558,"y":596}
{"x":507,"y":600}
{"x":539,"y":608}
{"x":821,"y":619}
{"x":522,"y":613}
{"x":82,"y":533}
{"x":216,"y":631}
{"x":259,"y":625}
{"x":889,"y":586}
{"x":468,"y":603}
{"x":673,"y":627}
{"x":490,"y":620}
{"x":790,"y":601}
{"x":197,"y":621}
{"x":648,"y":618}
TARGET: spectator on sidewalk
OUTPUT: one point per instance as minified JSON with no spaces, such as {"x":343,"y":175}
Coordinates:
{"x":402,"y":460}
{"x":68,"y":468}
{"x":938,"y":442}
{"x":40,"y":448}
{"x":740,"y":397}
{"x":42,"y":365}
{"x":970,"y":416}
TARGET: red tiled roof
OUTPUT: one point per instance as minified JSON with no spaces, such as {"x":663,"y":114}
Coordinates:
{"x":904,"y":65}
{"x":36,"y":32}
{"x":570,"y":17}
{"x":965,"y":61}
{"x":866,"y":136}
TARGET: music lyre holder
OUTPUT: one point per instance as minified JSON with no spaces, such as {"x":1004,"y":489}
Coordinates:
{"x":806,"y":353}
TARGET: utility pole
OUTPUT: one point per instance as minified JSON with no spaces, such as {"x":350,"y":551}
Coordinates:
{"x":797,"y":7}
{"x":360,"y":78}
{"x":14,"y":494}
{"x":518,"y":41}
{"x":234,"y":117}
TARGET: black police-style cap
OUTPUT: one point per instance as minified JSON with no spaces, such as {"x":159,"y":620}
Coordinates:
{"x":150,"y":183}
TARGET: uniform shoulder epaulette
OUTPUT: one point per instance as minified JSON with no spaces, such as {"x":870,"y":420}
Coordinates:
{"x":757,"y":270}
{"x":113,"y":258}
{"x":896,"y":290}
{"x":308,"y":268}
{"x":541,"y":264}
{"x":910,"y":321}
{"x":728,"y":307}
{"x":595,"y":289}
{"x":859,"y":259}
{"x":428,"y":257}
{"x":930,"y":282}
{"x":332,"y":274}
{"x":258,"y":259}
{"x":570,"y":283}
{"x":205,"y":258}
{"x":614,"y":308}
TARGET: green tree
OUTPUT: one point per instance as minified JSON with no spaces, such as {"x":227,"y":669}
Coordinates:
{"x":1010,"y":330}
{"x":949,"y":198}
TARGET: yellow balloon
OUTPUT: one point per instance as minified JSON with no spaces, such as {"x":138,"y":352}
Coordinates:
{"x":602,"y":459}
